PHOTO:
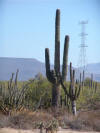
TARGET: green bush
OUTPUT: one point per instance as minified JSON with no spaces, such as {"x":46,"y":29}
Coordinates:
{"x":37,"y":93}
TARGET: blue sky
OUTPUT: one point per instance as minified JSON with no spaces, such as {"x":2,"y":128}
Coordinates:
{"x":27,"y":27}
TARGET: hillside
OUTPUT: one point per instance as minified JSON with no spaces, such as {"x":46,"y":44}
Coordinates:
{"x":28,"y":68}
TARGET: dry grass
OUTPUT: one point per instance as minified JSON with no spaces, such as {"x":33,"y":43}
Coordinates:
{"x":24,"y":120}
{"x":86,"y":121}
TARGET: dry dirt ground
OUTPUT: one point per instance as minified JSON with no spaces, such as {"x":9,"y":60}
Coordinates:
{"x":10,"y":130}
{"x":23,"y":122}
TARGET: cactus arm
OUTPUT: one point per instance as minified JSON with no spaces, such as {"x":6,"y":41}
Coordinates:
{"x":91,"y":80}
{"x":75,"y":92}
{"x":83,"y":75}
{"x":64,"y":88}
{"x":78,"y":91}
{"x":47,"y":61}
{"x":10,"y":83}
{"x":73,"y":82}
{"x":65,"y":59}
{"x":11,"y":80}
{"x":49,"y":73}
{"x":70,"y":91}
{"x":15,"y":86}
{"x":71,"y":72}
{"x":73,"y":76}
{"x":57,"y":42}
{"x":80,"y":78}
{"x":16,"y":77}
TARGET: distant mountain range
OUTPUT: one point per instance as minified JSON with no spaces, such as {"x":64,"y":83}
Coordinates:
{"x":28,"y":68}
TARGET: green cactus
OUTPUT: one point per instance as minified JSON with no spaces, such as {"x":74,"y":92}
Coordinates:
{"x":91,"y":81}
{"x":74,"y":91}
{"x":83,"y":79}
{"x":96,"y":86}
{"x":80,"y":78}
{"x":54,"y":76}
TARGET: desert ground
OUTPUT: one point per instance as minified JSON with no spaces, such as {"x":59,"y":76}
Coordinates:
{"x":10,"y":130}
{"x":23,"y":122}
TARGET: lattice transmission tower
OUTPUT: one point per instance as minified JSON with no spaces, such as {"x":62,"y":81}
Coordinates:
{"x":82,"y":57}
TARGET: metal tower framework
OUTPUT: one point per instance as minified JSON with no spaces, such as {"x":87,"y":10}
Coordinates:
{"x":82,"y":60}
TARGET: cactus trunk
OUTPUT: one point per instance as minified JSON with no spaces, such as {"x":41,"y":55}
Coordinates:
{"x":56,"y":95}
{"x":73,"y":107}
{"x":65,"y":59}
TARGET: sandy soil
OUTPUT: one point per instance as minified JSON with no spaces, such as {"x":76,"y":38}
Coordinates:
{"x":10,"y":130}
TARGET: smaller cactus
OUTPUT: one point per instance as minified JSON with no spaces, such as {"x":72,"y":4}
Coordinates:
{"x":13,"y":97}
{"x":50,"y":126}
{"x":96,"y":87}
{"x":91,"y":81}
{"x":80,"y":78}
{"x":74,"y":91}
{"x":83,"y":77}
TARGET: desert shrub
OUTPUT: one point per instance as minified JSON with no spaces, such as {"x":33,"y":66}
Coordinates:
{"x":39,"y":93}
{"x":88,"y":97}
{"x":12,"y":96}
{"x":32,"y":94}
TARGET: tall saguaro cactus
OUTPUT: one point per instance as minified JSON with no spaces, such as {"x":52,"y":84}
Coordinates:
{"x":73,"y":92}
{"x":54,"y":76}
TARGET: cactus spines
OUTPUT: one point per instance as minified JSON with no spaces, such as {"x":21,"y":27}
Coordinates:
{"x":74,"y":92}
{"x":54,"y":76}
